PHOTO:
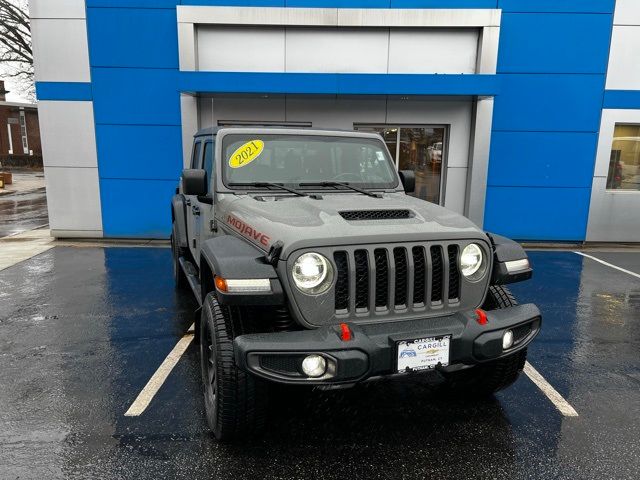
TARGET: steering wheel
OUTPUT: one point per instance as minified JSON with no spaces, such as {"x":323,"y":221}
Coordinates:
{"x":348,"y":174}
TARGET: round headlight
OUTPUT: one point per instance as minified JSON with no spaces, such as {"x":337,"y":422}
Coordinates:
{"x":312,"y":273}
{"x":471,"y":260}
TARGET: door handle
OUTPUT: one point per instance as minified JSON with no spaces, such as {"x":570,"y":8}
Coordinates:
{"x":195,"y":210}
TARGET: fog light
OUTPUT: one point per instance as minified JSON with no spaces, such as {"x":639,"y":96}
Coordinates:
{"x":314,"y":366}
{"x":507,"y":340}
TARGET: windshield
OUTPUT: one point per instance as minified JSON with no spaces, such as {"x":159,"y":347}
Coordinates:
{"x":303,"y":159}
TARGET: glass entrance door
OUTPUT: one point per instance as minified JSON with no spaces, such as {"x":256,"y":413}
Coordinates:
{"x":421,"y":149}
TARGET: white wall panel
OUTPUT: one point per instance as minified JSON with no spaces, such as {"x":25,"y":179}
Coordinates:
{"x":456,"y":189}
{"x":68,"y":134}
{"x":337,"y":50}
{"x":433,"y":51}
{"x":332,"y":50}
{"x":336,"y":112}
{"x":627,"y":12}
{"x":241,"y":107}
{"x":73,"y":198}
{"x":624,"y":64}
{"x":57,"y":9}
{"x":60,"y":50}
{"x":232,"y":49}
{"x":190,"y":125}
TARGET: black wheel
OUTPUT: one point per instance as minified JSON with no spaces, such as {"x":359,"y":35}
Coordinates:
{"x":235,"y":401}
{"x":490,"y":377}
{"x":179,"y":276}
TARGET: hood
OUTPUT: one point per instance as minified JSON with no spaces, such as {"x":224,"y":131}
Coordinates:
{"x":303,"y":222}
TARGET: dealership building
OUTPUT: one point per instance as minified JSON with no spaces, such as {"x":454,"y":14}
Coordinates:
{"x":523,"y":115}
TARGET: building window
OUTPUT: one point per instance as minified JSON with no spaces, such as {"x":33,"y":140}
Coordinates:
{"x":23,"y":132}
{"x":624,"y":165}
{"x":421,"y":149}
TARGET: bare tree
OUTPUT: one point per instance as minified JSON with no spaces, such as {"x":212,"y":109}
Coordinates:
{"x":16,"y":54}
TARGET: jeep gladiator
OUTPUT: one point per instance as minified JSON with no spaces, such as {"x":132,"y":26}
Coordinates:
{"x":313,"y":266}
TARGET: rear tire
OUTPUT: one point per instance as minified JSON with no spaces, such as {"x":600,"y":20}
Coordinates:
{"x":179,"y":277}
{"x":235,"y":401}
{"x":487,"y":378}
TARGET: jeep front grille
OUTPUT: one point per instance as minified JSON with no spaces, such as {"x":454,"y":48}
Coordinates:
{"x":396,"y":278}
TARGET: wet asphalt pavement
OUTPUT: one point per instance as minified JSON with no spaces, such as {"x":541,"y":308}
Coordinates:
{"x":23,"y":211}
{"x":83,"y":329}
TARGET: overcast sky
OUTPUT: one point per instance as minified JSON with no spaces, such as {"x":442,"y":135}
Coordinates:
{"x":10,"y":85}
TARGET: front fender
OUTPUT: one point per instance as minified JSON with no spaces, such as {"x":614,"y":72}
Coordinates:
{"x":510,"y":261}
{"x":179,"y":214}
{"x":234,"y":259}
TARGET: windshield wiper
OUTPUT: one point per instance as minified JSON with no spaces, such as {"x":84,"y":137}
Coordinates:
{"x":342,"y":184}
{"x":269,"y":185}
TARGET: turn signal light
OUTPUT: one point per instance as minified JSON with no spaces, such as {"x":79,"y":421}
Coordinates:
{"x":345,"y":332}
{"x":481,"y":316}
{"x":221,"y":284}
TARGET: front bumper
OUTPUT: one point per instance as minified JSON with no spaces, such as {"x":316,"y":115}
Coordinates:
{"x":372,"y":350}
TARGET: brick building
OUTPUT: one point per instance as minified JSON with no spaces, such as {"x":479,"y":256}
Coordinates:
{"x":19,"y":128}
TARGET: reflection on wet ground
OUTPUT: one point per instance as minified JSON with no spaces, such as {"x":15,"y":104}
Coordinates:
{"x":83,"y":329}
{"x":23,"y":211}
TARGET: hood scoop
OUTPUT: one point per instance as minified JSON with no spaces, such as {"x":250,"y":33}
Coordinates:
{"x":397,"y":214}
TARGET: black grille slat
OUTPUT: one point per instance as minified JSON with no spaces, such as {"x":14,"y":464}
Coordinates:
{"x":420,"y":275}
{"x":437,"y":272}
{"x":382,"y":277}
{"x":355,"y":215}
{"x":454,"y":274}
{"x":362,"y":279}
{"x":400,"y":258}
{"x":342,"y":280}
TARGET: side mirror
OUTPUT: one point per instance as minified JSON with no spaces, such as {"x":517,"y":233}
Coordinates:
{"x":194,"y":182}
{"x":408,"y":179}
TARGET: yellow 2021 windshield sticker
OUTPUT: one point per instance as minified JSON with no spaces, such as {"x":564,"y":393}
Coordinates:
{"x":246,"y":153}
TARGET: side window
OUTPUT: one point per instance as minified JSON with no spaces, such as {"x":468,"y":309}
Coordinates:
{"x":195,"y":159}
{"x":208,"y":162}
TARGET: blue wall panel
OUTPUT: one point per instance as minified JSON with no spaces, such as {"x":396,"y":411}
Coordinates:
{"x":562,"y":103}
{"x":136,"y":96}
{"x":624,"y":99}
{"x":148,"y":217}
{"x":530,"y":213}
{"x":133,"y":3}
{"x":544,"y":159}
{"x":129,"y":37}
{"x":134,"y":151}
{"x":565,"y":43}
{"x":585,"y":6}
{"x":74,"y":91}
{"x":443,"y":3}
{"x":338,"y":83}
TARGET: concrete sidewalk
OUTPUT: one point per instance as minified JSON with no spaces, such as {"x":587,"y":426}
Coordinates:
{"x":24,"y":182}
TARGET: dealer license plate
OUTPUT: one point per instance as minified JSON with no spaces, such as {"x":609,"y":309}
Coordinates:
{"x":423,"y":353}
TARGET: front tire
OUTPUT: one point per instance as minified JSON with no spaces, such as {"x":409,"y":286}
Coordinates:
{"x":488,"y":378}
{"x":235,"y":401}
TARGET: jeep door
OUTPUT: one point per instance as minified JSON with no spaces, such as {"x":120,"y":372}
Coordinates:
{"x":192,"y":202}
{"x":203,"y":214}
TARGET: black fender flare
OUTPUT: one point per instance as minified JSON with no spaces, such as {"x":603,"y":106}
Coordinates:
{"x":179,"y":217}
{"x":230,"y":257}
{"x":505,"y":252}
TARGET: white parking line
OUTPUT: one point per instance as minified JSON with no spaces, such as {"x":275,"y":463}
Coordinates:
{"x":149,"y":391}
{"x":609,"y":264}
{"x":552,"y":394}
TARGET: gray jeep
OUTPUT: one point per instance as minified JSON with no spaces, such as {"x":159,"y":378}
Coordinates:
{"x":312,"y":266}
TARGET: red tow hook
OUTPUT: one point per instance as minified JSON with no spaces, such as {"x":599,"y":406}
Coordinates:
{"x":481,"y":317}
{"x":345,"y":333}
